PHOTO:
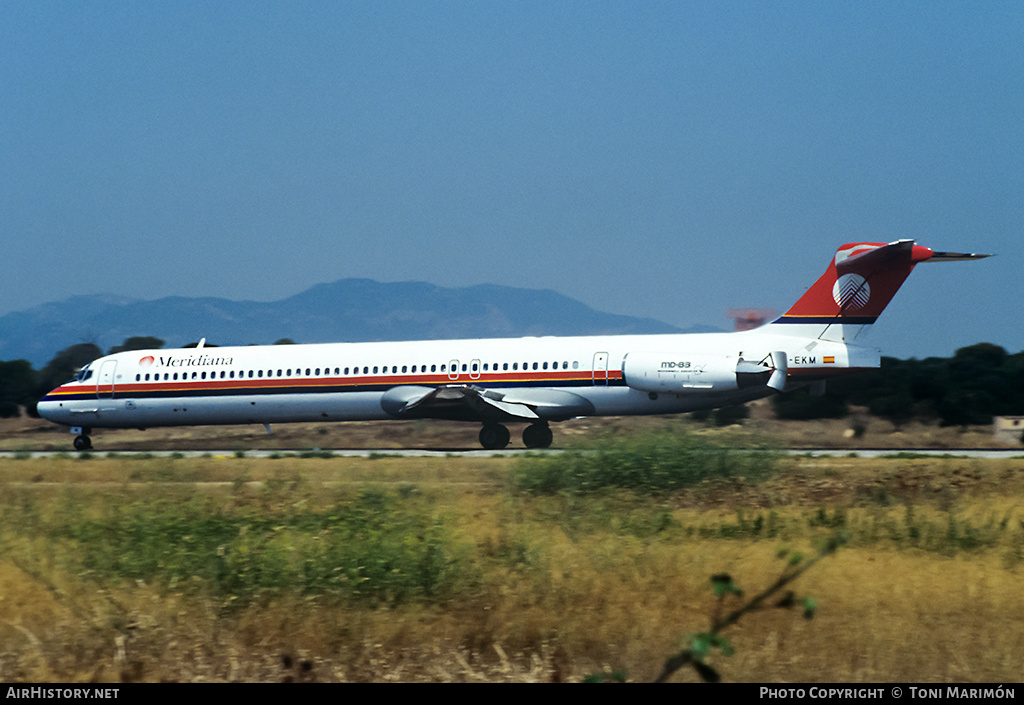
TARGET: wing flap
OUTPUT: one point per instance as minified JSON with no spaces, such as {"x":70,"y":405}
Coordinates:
{"x":472,"y":403}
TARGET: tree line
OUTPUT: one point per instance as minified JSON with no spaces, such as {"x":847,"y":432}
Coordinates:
{"x":977,"y":383}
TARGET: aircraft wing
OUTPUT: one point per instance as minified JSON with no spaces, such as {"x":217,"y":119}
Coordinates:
{"x":472,"y":403}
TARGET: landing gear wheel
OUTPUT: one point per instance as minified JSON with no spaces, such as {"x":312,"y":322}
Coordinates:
{"x":83,"y":443}
{"x":537,"y":435}
{"x":494,"y":436}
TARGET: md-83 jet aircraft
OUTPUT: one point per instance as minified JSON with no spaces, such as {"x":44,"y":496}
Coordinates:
{"x":535,"y":381}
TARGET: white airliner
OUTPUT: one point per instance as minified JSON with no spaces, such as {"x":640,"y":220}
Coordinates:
{"x":528,"y":380}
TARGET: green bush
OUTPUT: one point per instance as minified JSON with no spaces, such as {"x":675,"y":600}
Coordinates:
{"x":375,"y":548}
{"x":650,"y":463}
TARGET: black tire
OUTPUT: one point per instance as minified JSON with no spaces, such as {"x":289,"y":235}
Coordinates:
{"x":494,"y":436}
{"x":83,"y":443}
{"x":537,"y":436}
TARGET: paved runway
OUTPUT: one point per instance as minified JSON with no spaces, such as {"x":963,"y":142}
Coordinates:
{"x":511,"y":452}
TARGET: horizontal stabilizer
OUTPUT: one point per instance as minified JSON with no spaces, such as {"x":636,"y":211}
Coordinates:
{"x":955,"y":257}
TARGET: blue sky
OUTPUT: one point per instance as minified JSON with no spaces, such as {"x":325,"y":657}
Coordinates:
{"x":669,"y":160}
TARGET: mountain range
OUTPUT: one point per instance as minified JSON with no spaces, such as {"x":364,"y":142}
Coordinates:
{"x":348,"y":310}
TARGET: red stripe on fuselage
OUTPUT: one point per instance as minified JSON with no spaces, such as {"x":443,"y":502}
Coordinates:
{"x":244,"y":386}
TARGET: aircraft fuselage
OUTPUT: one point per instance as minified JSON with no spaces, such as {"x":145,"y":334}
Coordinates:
{"x":351,"y":381}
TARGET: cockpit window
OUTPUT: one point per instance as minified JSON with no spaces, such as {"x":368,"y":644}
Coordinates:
{"x":83,"y":374}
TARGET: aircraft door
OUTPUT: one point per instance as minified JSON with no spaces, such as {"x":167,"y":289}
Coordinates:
{"x":105,"y":380}
{"x":453,"y":370}
{"x":601,"y":368}
{"x":474,"y":369}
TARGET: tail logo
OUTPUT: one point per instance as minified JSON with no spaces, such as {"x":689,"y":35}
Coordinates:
{"x":851,"y":290}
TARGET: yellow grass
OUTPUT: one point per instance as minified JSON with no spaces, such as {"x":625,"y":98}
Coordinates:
{"x":558,"y":593}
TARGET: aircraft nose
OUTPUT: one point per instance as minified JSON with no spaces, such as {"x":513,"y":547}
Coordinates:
{"x":44,"y":408}
{"x":49,"y":409}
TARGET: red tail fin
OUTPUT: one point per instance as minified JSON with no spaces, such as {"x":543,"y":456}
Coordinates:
{"x":860,"y":281}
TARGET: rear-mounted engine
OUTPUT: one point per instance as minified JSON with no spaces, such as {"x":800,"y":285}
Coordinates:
{"x":681,"y":373}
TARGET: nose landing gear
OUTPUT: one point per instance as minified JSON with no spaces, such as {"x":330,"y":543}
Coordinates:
{"x":82,"y":440}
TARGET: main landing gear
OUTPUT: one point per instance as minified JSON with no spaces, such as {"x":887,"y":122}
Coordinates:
{"x":537,"y":435}
{"x":494,"y":436}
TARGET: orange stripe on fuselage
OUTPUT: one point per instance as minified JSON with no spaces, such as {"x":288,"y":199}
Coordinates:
{"x":549,"y":377}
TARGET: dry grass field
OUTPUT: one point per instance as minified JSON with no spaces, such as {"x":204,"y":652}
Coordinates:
{"x":132,"y":568}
